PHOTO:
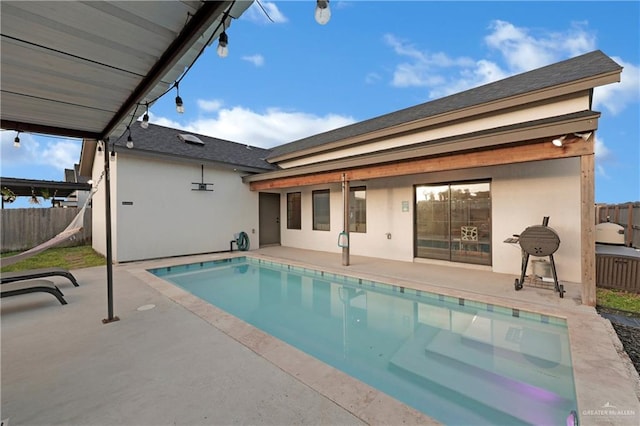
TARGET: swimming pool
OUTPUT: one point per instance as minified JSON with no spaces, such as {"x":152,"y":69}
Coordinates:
{"x":454,"y":359}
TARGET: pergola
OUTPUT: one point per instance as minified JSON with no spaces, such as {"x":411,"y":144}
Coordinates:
{"x":37,"y":187}
{"x":88,"y":69}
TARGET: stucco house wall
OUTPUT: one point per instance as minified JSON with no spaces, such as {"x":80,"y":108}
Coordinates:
{"x":157,"y":214}
{"x":98,"y":217}
{"x":521,"y":195}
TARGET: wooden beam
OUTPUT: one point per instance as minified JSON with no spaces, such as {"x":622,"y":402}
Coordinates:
{"x":544,"y":150}
{"x":587,"y":226}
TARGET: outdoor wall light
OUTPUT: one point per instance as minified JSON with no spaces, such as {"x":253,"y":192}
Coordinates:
{"x":323,"y":12}
{"x":583,"y":136}
{"x":16,"y":141}
{"x":145,"y":119}
{"x":559,"y":141}
{"x":223,"y":41}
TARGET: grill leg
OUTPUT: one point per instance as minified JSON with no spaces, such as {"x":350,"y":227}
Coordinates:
{"x":523,"y":272}
{"x":559,"y":288}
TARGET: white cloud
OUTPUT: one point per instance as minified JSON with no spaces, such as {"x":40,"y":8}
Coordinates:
{"x":521,"y":49}
{"x":602,"y":153}
{"x":166,"y":122}
{"x":482,"y":72}
{"x":603,"y":157}
{"x":615,"y":97}
{"x":271,"y":128}
{"x":372,"y":78}
{"x":257,"y":60}
{"x":39,"y":151}
{"x":256,"y":14}
{"x":422,"y":69}
{"x":601,"y":171}
{"x":63,"y":153}
{"x":209,"y":105}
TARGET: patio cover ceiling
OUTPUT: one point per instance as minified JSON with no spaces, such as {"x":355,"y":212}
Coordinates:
{"x":29,"y":187}
{"x":81,"y":69}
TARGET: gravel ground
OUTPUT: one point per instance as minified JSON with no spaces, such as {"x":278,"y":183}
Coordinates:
{"x":630,"y":338}
{"x":627,"y":327}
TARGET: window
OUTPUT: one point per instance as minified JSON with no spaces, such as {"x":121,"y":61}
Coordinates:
{"x":321,"y":210}
{"x":294,"y":215}
{"x":358,"y":209}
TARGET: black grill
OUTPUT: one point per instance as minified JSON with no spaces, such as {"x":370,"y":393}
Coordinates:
{"x":538,"y":241}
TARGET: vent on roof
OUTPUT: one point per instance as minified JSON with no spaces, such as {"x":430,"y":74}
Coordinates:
{"x":187,"y":138}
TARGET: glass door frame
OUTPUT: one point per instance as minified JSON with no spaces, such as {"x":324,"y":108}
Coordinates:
{"x":469,"y":239}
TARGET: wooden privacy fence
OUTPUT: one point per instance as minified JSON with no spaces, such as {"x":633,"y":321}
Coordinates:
{"x":618,"y":272}
{"x":626,"y":215}
{"x":23,"y":229}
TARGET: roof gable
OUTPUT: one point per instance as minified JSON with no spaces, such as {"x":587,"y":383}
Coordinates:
{"x":165,"y":141}
{"x":579,"y":68}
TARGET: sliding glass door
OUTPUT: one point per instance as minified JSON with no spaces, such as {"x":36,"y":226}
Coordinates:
{"x":453,"y":222}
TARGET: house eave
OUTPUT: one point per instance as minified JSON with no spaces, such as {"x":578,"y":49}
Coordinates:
{"x":87,"y":157}
{"x":493,"y":107}
{"x":483,"y":140}
{"x":190,"y":160}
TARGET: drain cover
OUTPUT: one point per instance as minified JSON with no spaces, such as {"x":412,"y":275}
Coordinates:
{"x":146,"y":307}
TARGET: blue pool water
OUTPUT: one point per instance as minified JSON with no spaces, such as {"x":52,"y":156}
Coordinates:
{"x":459,"y":361}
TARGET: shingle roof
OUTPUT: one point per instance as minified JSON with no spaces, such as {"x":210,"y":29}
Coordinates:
{"x":580,"y":67}
{"x":164,"y":141}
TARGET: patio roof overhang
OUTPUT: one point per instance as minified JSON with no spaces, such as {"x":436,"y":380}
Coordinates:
{"x":504,"y":145}
{"x":83,"y":69}
{"x":30,"y":187}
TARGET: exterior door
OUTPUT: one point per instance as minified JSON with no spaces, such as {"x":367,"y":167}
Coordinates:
{"x":269,"y":217}
{"x":453,"y":222}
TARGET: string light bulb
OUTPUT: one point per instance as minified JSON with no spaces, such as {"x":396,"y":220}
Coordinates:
{"x":179,"y":104}
{"x":223,"y":41}
{"x":145,"y":119}
{"x":323,"y":12}
{"x":129,"y":139}
{"x":16,"y":141}
{"x":100,"y":147}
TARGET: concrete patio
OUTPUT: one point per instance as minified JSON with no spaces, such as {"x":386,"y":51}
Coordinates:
{"x":186,"y":362}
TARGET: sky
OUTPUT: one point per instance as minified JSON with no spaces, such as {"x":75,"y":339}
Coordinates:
{"x":287,"y":77}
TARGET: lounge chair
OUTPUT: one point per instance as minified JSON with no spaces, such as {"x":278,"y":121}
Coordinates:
{"x":32,"y":286}
{"x":9,"y":277}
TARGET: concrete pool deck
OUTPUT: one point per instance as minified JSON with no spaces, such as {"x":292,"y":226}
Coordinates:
{"x":186,"y":362}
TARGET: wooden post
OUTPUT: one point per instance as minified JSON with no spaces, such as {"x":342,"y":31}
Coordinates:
{"x":587,"y":226}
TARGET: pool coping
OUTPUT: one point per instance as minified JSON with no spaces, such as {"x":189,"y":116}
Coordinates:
{"x":598,"y":369}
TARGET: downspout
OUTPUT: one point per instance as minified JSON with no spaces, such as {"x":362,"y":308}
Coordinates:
{"x":107,"y":204}
{"x":345,"y":227}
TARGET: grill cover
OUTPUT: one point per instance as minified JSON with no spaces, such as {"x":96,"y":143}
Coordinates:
{"x":539,"y":240}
